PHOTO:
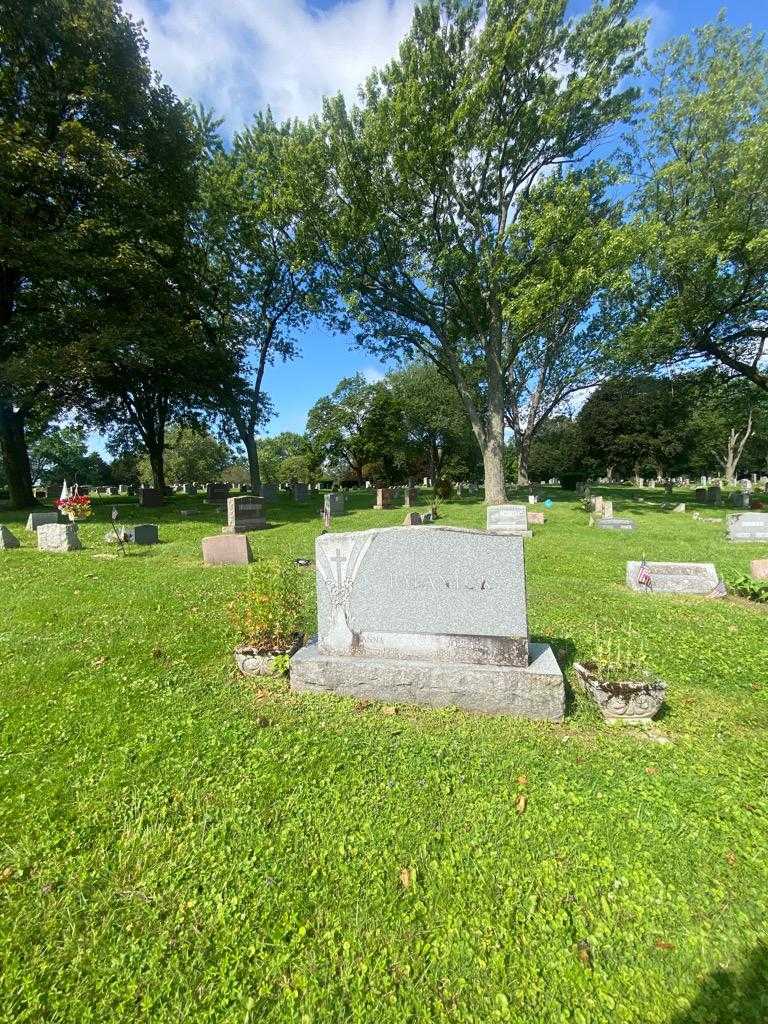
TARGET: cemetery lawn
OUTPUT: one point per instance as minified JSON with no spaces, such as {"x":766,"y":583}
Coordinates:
{"x":180,"y":844}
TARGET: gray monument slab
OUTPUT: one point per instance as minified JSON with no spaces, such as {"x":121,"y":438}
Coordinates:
{"x":674,"y":577}
{"x":142,"y":533}
{"x":59,"y":537}
{"x":433,"y":617}
{"x":244,"y":513}
{"x":508,"y":519}
{"x":334,"y":503}
{"x":7,"y":539}
{"x":268,"y":492}
{"x":615,"y":524}
{"x":749,"y":527}
{"x":38,"y":519}
{"x":150,"y":497}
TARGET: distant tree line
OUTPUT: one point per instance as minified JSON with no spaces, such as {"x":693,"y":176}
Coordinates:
{"x":465,"y":217}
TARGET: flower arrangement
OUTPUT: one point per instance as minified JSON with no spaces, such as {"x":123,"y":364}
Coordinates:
{"x":75,"y":508}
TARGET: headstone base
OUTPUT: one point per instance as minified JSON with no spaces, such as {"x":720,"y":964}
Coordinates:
{"x":536,"y":692}
{"x":510,"y":531}
{"x":254,"y":524}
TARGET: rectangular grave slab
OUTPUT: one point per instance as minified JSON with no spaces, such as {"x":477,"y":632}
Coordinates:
{"x":383,"y":498}
{"x":268,"y":492}
{"x":142,"y":533}
{"x":759,"y":568}
{"x":674,"y":577}
{"x":511,"y":520}
{"x":749,"y":527}
{"x":410,"y":497}
{"x":38,"y":519}
{"x":7,"y":539}
{"x":433,"y":617}
{"x":334,"y":503}
{"x":412,"y":519}
{"x":227,"y":549}
{"x":300,"y":492}
{"x":607,"y":509}
{"x":244,"y":513}
{"x":536,"y":519}
{"x":615,"y":524}
{"x":59,"y":537}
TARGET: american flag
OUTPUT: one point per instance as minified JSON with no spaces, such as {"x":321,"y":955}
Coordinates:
{"x":644,"y":578}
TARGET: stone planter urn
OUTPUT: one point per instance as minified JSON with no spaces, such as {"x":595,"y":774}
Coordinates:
{"x":633,"y":702}
{"x":251,"y":662}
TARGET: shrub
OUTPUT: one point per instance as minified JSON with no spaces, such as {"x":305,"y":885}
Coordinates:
{"x":753,"y":590}
{"x":444,"y":489}
{"x":270,"y":613}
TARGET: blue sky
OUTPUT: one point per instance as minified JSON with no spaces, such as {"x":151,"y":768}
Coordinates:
{"x":240,"y":55}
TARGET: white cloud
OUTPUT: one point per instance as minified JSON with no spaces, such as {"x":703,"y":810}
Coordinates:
{"x":661,"y":24}
{"x":242,"y":55}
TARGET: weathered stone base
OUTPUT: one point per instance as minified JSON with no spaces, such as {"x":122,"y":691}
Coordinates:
{"x":511,"y":531}
{"x":254,"y":524}
{"x":535,"y":692}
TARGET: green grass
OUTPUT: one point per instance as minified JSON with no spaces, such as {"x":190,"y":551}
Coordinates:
{"x":179,"y":844}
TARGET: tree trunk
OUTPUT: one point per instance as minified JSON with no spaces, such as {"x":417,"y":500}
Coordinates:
{"x":15,"y":456}
{"x":157,"y":462}
{"x":523,"y":459}
{"x":254,"y":470}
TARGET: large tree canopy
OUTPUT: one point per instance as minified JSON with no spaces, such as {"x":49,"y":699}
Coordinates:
{"x":700,"y":288}
{"x":414,"y":199}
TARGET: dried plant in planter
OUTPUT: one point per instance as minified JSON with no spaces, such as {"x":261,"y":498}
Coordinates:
{"x":620,"y":681}
{"x":270,"y":617}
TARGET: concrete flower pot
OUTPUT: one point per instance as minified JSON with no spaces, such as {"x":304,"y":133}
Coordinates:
{"x":633,"y":702}
{"x":251,"y":663}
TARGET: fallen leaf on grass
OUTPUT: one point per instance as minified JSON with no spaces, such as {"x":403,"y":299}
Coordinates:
{"x":99,"y":662}
{"x":389,"y":709}
{"x":407,"y":877}
{"x":522,"y":780}
{"x":361,"y":705}
{"x":731,"y":858}
{"x":661,"y":944}
{"x":650,"y":770}
{"x":521,"y":803}
{"x":585,"y":952}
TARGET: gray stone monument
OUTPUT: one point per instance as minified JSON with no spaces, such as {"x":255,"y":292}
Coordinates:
{"x":435,"y":617}
{"x":268,"y":492}
{"x":508,"y":519}
{"x":38,"y":519}
{"x":674,"y":577}
{"x":300,"y":492}
{"x":142,"y":534}
{"x":749,"y":527}
{"x":243,"y":514}
{"x":615,"y":524}
{"x":334,"y":503}
{"x":410,"y":497}
{"x":7,"y":539}
{"x":217,"y":491}
{"x":59,"y":537}
{"x":150,"y":497}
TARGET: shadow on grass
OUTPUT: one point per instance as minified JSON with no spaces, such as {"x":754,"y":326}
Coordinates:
{"x":732,"y":997}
